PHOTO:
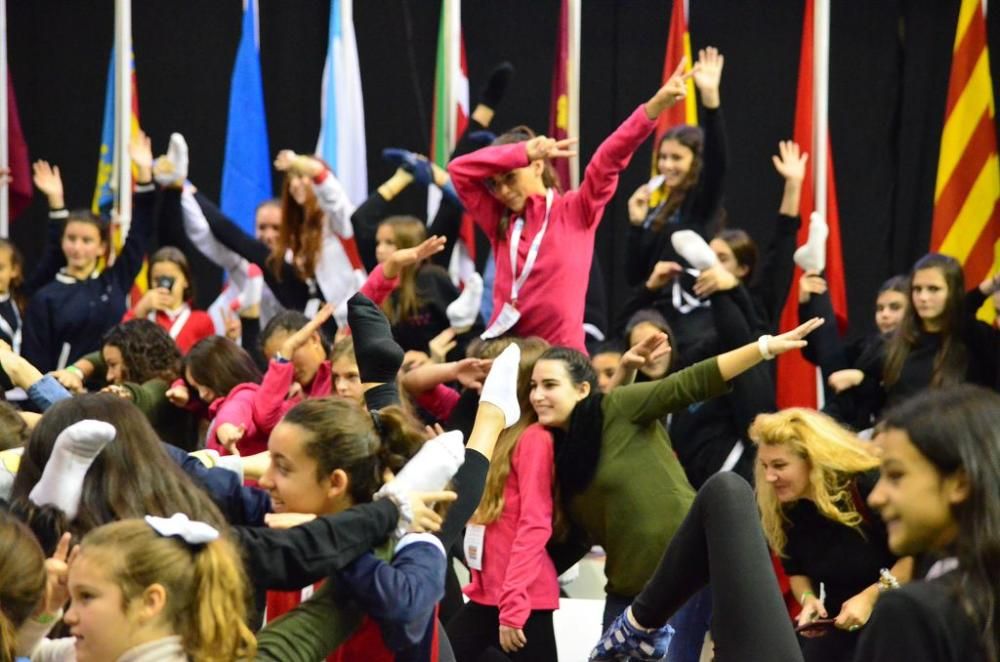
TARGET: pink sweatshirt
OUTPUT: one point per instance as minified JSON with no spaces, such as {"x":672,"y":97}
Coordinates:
{"x":552,"y":300}
{"x":518,"y":575}
{"x":238,"y":408}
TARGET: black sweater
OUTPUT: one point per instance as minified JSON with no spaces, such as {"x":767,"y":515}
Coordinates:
{"x":67,"y":318}
{"x":701,"y":206}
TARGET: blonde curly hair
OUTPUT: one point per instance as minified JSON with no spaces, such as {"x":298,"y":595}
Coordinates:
{"x":834,"y":455}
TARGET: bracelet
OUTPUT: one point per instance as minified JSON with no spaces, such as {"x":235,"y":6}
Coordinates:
{"x":279,"y":358}
{"x":765,"y":352}
{"x":76,"y":371}
{"x":805,"y":594}
{"x":886,"y":580}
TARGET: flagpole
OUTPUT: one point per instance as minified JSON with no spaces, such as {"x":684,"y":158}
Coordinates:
{"x":573,"y":128}
{"x":123,"y":112}
{"x":4,"y":134}
{"x":821,"y":100}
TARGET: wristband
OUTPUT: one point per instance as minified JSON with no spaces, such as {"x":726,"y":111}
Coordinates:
{"x":805,"y":594}
{"x":75,"y":370}
{"x":765,"y":352}
{"x":279,"y":358}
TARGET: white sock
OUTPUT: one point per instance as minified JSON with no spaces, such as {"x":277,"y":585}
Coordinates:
{"x":462,"y":312}
{"x":690,"y":246}
{"x":254,"y":288}
{"x":433,"y":465}
{"x":811,"y":256}
{"x":75,"y":448}
{"x":500,"y":387}
{"x":172,"y":168}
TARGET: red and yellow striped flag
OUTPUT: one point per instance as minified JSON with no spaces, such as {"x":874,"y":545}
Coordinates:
{"x":966,"y":211}
{"x":678,"y":46}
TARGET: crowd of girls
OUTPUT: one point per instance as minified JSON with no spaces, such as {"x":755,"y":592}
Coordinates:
{"x":293,"y":473}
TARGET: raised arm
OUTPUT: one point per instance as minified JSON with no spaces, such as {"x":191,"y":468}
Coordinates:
{"x":198,"y":231}
{"x":330,"y":192}
{"x":48,"y":180}
{"x":133,"y":252}
{"x":708,"y":193}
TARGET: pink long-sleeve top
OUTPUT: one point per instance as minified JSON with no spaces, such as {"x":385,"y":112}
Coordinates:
{"x":272,"y":401}
{"x":377,"y":287}
{"x":518,"y":575}
{"x":552,"y":300}
{"x":238,"y":407}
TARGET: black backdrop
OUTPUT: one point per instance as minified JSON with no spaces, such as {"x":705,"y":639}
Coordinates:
{"x":889,"y":71}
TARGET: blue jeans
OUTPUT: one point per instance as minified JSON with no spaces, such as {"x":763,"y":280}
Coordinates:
{"x":691,"y":622}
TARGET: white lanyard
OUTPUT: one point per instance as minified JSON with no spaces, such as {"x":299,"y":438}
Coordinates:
{"x":13,"y":334}
{"x":179,"y":321}
{"x":517,"y":282}
{"x":684,"y":302}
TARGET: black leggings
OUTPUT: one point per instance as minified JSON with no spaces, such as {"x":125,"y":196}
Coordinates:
{"x":475,"y":630}
{"x":721,"y":542}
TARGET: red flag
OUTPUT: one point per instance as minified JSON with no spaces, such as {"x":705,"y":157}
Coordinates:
{"x":678,"y":46}
{"x":17,"y":158}
{"x":560,"y":107}
{"x":797,"y":384}
{"x":967,"y":194}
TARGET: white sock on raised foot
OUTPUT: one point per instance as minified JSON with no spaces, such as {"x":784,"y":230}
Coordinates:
{"x":500,"y":387}
{"x":690,"y":246}
{"x":433,"y":466}
{"x":75,"y":449}
{"x":811,"y":256}
{"x":462,"y":312}
{"x":172,"y":168}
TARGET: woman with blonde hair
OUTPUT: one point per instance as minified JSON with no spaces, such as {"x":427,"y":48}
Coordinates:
{"x":813,"y":478}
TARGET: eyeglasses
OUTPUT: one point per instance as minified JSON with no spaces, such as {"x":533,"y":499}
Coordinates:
{"x":496,"y":181}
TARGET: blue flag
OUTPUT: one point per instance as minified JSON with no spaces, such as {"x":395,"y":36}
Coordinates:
{"x":246,"y":170}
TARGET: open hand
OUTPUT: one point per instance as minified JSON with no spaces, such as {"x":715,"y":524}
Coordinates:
{"x":404,"y":257}
{"x":708,"y":74}
{"x":790,"y":162}
{"x":793,"y":339}
{"x":300,"y":337}
{"x":48,"y":180}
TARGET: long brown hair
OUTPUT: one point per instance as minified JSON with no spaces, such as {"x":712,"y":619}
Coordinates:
{"x":132,"y":477}
{"x":22,"y":580}
{"x":952,"y":359}
{"x":221,"y":365}
{"x":492,"y":502}
{"x":522,"y":134}
{"x":207,"y":592}
{"x":405,"y":302}
{"x":693,"y":138}
{"x":301,"y":232}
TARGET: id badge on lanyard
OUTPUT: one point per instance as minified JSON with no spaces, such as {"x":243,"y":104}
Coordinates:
{"x":509,"y":314}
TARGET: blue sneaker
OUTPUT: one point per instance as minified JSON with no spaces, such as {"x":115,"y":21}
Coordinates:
{"x":412,"y":163}
{"x":623,"y":641}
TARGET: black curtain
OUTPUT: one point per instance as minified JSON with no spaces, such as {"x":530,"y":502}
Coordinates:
{"x":889,"y":72}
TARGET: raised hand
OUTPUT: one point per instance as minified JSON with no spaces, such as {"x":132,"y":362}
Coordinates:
{"x":140,"y":150}
{"x":708,"y":75}
{"x":441,"y":344}
{"x":543,"y":147}
{"x":48,"y":180}
{"x":57,"y":574}
{"x":793,"y":339}
{"x":790,"y":162}
{"x":404,"y":257}
{"x":299,"y":164}
{"x":841,"y":380}
{"x":156,"y":298}
{"x":300,"y":337}
{"x":646,"y":351}
{"x":672,"y":91}
{"x":809,"y":284}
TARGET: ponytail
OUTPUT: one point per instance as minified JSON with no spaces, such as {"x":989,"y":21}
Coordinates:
{"x":344,"y":436}
{"x":213,"y":634}
{"x":207,"y":593}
